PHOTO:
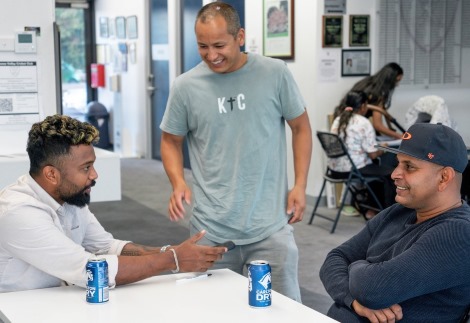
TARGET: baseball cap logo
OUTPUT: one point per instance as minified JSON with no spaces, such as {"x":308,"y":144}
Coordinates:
{"x":406,"y":136}
{"x":430,"y":155}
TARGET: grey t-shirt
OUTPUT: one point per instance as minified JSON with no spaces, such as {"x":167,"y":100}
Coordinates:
{"x":235,"y":126}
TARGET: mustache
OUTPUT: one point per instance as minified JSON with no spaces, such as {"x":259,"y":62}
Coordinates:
{"x":93,"y":183}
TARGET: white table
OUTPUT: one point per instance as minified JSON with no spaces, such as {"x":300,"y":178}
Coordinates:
{"x":108,"y":166}
{"x":221,"y":298}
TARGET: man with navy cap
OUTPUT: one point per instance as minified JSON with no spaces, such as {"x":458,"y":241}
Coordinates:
{"x":411,"y":262}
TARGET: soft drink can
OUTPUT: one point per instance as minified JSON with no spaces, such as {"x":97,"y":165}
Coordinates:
{"x":97,"y":289}
{"x":259,"y":283}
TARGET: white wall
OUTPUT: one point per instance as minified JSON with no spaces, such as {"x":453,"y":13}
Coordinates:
{"x":128,"y":108}
{"x":322,"y":97}
{"x":16,"y":14}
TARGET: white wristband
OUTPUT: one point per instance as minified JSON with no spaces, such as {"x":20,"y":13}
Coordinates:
{"x":163,"y":249}
{"x":176,"y":262}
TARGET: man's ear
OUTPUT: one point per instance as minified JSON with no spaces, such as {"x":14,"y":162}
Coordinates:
{"x":241,"y":37}
{"x":447,"y":176}
{"x":51,"y":174}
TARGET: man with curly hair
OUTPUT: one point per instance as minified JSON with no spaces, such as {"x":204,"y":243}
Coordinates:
{"x":47,"y":232}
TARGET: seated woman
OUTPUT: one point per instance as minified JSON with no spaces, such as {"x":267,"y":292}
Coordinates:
{"x":357,"y":133}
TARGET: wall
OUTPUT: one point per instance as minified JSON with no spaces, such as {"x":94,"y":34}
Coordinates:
{"x":16,"y":14}
{"x":322,"y":97}
{"x":129,"y":107}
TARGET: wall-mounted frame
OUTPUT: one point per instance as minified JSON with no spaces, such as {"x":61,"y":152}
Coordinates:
{"x":132,"y":27}
{"x":355,"y":62}
{"x":120,"y":27}
{"x":332,"y":31}
{"x":359,"y":30}
{"x":112,"y":28}
{"x":104,"y":27}
{"x":278,"y":28}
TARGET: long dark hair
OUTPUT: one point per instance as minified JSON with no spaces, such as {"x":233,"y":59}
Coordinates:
{"x":351,"y":103}
{"x":378,"y":87}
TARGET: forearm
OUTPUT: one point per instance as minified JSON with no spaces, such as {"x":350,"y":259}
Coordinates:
{"x":133,"y":249}
{"x":386,"y":131}
{"x":335,"y":278}
{"x":335,"y":273}
{"x":132,"y":269}
{"x":172,"y":158}
{"x":302,"y":149}
{"x":379,"y":126}
{"x":138,"y":262}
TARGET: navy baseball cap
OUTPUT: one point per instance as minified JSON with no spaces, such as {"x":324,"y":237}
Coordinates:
{"x":434,"y":143}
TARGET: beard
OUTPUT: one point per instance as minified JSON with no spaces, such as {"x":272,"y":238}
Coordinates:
{"x":80,"y":198}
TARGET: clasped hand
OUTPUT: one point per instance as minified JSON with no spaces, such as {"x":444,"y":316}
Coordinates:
{"x":389,"y":315}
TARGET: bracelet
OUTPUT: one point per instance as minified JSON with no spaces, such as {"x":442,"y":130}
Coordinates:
{"x":176,"y":262}
{"x":163,"y":249}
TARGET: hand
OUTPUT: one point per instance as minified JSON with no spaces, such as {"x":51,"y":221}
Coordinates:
{"x":193,"y":257}
{"x":296,"y":203}
{"x":175,"y":206}
{"x":389,"y":315}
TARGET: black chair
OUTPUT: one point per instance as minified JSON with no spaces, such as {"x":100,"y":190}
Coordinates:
{"x":355,"y":182}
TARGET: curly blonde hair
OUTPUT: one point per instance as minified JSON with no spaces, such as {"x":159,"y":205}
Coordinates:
{"x":51,"y":139}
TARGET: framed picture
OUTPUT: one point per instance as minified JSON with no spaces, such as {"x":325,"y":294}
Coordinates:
{"x":104,"y":27}
{"x":278,"y":28}
{"x":355,"y":62}
{"x":112,"y":26}
{"x":132,"y":27}
{"x":332,"y":31}
{"x":359,"y":30}
{"x":120,"y":27}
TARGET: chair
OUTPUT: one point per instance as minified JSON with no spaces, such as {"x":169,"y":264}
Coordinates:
{"x":354,"y":182}
{"x":430,"y":109}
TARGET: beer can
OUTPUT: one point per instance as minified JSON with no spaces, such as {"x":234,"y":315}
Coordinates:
{"x":97,"y":289}
{"x":259,"y":284}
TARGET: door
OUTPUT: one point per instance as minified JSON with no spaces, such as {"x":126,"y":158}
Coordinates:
{"x":160,"y":78}
{"x":189,"y":57}
{"x":76,"y":41}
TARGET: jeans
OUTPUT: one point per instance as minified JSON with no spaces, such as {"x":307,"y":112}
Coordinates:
{"x":280,"y":250}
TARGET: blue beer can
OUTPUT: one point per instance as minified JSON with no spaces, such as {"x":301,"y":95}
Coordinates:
{"x":259,"y":283}
{"x":97,"y":289}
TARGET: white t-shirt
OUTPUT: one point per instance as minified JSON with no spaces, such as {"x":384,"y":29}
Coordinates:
{"x":360,"y":140}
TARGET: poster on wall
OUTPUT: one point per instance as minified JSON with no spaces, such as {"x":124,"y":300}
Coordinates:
{"x":332,"y":31}
{"x":132,"y":27}
{"x":278,"y":28}
{"x":359,"y":30}
{"x":104,"y":27}
{"x":120,"y":27}
{"x":19,"y":102}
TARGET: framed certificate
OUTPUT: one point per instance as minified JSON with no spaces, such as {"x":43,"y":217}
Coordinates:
{"x":359,"y":30}
{"x":355,"y":62}
{"x":332,"y":31}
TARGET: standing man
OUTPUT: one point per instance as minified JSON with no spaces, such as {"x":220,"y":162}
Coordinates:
{"x":47,"y":232}
{"x":411,"y":261}
{"x":232,"y":108}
